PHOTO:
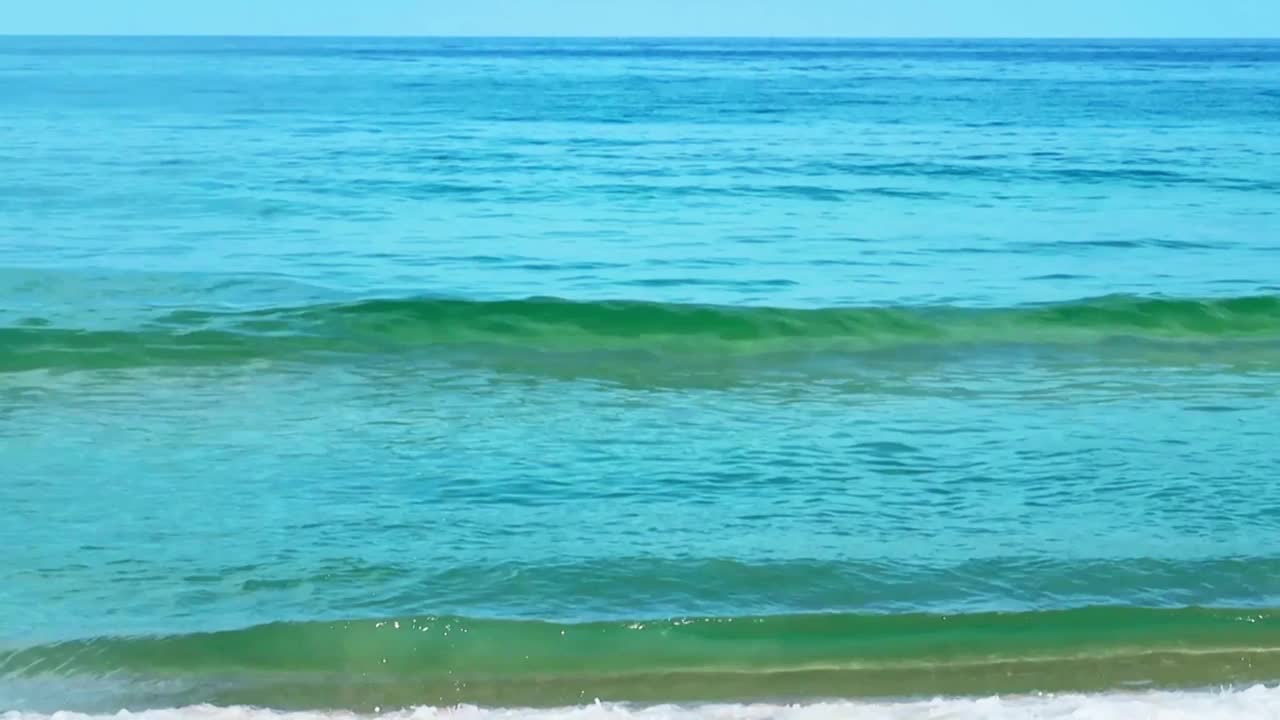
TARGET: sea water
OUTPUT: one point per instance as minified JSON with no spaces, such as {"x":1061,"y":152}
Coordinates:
{"x":478,"y":378}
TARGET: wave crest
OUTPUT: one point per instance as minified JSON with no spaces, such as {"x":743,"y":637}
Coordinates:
{"x":675,"y":333}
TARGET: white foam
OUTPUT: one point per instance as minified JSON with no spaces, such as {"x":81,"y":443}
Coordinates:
{"x":1253,"y":703}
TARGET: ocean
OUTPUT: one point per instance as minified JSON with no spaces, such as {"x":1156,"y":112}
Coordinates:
{"x":640,"y":379}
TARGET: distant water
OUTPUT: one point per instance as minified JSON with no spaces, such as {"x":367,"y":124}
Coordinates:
{"x":703,"y":379}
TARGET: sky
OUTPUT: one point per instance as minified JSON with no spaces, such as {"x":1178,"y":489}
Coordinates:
{"x":830,"y":18}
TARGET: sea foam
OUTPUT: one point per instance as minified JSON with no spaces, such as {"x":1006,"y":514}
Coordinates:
{"x":1238,"y":704}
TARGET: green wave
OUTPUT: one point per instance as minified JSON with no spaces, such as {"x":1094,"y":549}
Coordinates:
{"x":450,"y":659}
{"x":674,"y":331}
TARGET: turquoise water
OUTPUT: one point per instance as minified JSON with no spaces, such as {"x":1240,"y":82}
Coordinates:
{"x":373,"y":374}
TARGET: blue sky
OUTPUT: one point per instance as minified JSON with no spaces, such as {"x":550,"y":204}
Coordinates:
{"x":967,"y":18}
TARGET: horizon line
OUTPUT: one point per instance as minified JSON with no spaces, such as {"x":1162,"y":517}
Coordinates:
{"x":415,"y":36}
